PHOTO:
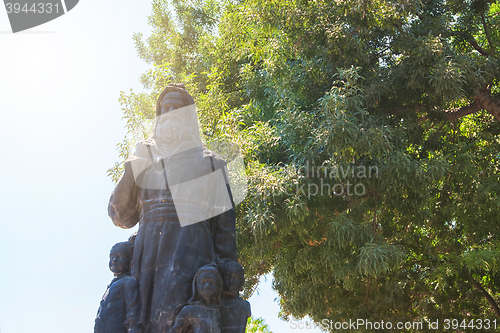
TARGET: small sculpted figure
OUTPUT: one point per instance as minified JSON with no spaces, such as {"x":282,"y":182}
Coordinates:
{"x":235,"y":311}
{"x":120,"y":304}
{"x":201,"y":314}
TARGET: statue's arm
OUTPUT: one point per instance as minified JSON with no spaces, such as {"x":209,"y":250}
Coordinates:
{"x":182,"y":322}
{"x":123,"y":205}
{"x":225,"y":234}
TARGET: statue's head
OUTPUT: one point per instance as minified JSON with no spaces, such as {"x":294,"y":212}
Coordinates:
{"x":176,"y":120}
{"x":207,"y":285}
{"x":233,"y":277}
{"x":120,"y":257}
{"x":174,"y":96}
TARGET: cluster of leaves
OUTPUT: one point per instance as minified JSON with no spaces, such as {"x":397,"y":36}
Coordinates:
{"x":409,"y":89}
{"x":257,"y":325}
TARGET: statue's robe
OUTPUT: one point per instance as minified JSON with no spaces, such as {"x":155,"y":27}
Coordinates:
{"x":166,"y":255}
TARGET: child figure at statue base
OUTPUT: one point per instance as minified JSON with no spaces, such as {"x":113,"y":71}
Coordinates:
{"x":201,"y":314}
{"x":120,"y":304}
{"x":235,"y":311}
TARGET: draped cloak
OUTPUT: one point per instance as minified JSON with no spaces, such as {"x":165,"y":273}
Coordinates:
{"x":167,"y":256}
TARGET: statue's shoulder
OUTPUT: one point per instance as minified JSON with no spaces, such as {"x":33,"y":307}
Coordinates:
{"x":125,"y":281}
{"x":130,"y":280}
{"x":189,"y":311}
{"x":248,"y":309}
{"x":216,"y":158}
{"x":148,"y":142}
{"x":243,"y":305}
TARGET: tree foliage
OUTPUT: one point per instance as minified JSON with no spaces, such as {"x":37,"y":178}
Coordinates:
{"x":406,"y":90}
{"x":257,"y":325}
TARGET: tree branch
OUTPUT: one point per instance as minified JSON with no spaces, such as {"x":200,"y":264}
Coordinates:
{"x":483,"y":100}
{"x":487,"y":31}
{"x":478,"y":48}
{"x":472,"y":42}
{"x":488,"y":297}
{"x":489,"y":103}
{"x":493,"y":15}
{"x":463,"y":111}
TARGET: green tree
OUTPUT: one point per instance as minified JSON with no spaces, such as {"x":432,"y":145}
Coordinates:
{"x":400,"y":98}
{"x":257,"y":325}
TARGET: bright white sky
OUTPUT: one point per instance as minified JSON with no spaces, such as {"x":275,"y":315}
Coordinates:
{"x":61,"y":120}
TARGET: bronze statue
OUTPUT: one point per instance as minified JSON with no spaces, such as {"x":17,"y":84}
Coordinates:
{"x":201,"y":314}
{"x":165,"y":188}
{"x":235,"y":311}
{"x":119,"y":308}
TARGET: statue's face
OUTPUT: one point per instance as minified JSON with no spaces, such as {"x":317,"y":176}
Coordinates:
{"x":233,"y":281}
{"x":172,"y":127}
{"x":208,"y":286}
{"x":118,"y":260}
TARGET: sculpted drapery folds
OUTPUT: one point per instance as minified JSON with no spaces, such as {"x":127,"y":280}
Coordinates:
{"x":181,"y":227}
